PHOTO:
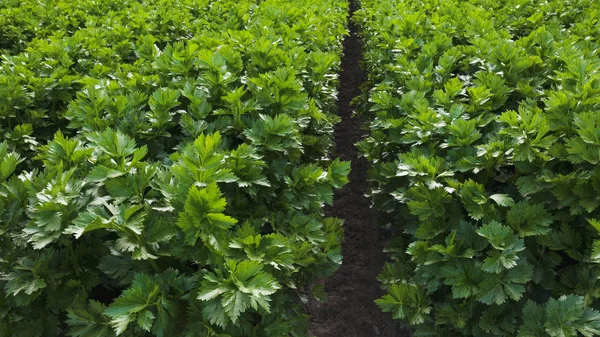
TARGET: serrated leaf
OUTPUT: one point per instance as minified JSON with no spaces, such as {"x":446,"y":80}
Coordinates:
{"x":89,"y":322}
{"x":245,"y":286}
{"x":534,"y":317}
{"x":498,"y":288}
{"x":563,"y":316}
{"x":405,"y":301}
{"x":145,"y":320}
{"x":529,"y":219}
{"x":503,"y":200}
{"x":100,"y":173}
{"x":124,"y":310}
{"x":86,"y":222}
{"x":203,"y":219}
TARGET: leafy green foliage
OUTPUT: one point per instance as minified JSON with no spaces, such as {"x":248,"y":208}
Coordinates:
{"x":203,"y":218}
{"x":164,"y":166}
{"x":406,"y":302}
{"x":244,"y":286}
{"x":484,"y":145}
{"x":90,"y":321}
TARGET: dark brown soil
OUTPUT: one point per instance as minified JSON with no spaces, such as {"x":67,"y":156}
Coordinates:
{"x":350,"y":310}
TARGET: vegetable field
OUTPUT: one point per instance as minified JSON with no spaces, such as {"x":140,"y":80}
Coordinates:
{"x":164,"y":165}
{"x":274,"y":168}
{"x":484,"y":139}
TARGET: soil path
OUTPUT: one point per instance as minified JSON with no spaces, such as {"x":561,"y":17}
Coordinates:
{"x":350,"y":310}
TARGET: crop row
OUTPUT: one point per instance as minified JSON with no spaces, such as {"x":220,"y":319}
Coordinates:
{"x":484,"y":121}
{"x":164,"y":164}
